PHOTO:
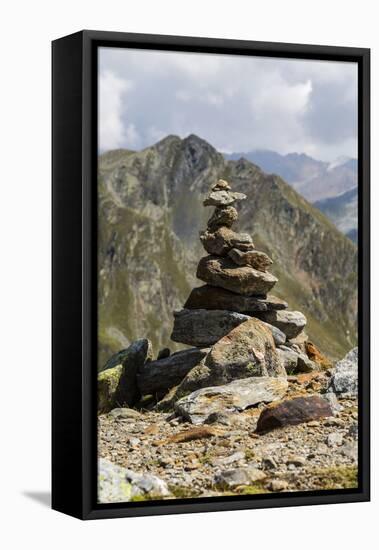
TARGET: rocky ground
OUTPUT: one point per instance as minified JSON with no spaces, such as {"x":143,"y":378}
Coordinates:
{"x":260,"y":399}
{"x":229,"y":457}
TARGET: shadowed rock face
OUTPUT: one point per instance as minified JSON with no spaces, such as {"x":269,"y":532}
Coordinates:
{"x":162,"y":374}
{"x":150,"y":215}
{"x":202,"y":328}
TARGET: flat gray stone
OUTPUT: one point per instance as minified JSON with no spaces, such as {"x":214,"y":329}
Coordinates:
{"x":232,"y":397}
{"x":223,"y":197}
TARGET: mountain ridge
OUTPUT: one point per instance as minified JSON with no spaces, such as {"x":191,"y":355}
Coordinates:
{"x":149,"y":218}
{"x":312,"y":178}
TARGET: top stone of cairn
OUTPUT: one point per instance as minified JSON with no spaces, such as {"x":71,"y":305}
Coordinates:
{"x":221,"y":195}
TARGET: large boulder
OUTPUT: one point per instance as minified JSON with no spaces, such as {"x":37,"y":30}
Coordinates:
{"x":221,"y":241}
{"x":117,"y":384}
{"x":292,"y":412}
{"x":160,"y":375}
{"x":211,"y":297}
{"x":254,"y":258}
{"x":344,"y":381}
{"x":117,"y":484}
{"x":232,"y":397}
{"x":248,"y":350}
{"x":289,"y":322}
{"x":202,"y":328}
{"x":245,"y":280}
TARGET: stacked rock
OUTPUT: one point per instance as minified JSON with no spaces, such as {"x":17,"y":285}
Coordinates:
{"x":237,"y":288}
{"x":244,"y":340}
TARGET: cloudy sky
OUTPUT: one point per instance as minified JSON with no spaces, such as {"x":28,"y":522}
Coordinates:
{"x":236,"y":103}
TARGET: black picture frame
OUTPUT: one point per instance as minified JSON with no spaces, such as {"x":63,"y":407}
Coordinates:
{"x":74,"y":333}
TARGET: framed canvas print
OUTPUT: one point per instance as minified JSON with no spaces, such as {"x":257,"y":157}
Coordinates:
{"x":210,"y":274}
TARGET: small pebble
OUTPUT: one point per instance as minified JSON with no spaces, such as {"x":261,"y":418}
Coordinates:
{"x":277,"y":485}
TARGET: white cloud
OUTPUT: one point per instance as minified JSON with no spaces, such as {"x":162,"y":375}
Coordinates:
{"x":112,"y":133}
{"x":237,"y":103}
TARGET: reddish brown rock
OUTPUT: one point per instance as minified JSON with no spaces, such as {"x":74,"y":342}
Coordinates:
{"x":292,"y":412}
{"x":245,"y":280}
{"x":211,"y":297}
{"x":316,"y":356}
{"x":201,"y":432}
{"x":254,"y":258}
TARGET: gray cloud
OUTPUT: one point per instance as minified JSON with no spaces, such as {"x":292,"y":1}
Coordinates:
{"x":236,"y":103}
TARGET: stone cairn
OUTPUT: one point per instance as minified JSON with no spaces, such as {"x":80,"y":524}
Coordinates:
{"x":244,"y":340}
{"x":237,"y":284}
{"x":248,"y":338}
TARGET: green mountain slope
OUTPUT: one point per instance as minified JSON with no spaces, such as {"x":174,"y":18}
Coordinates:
{"x":150,"y":215}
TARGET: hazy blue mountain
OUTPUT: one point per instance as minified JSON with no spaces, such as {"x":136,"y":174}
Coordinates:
{"x":314,"y":179}
{"x":293,"y":167}
{"x":342,"y":210}
{"x":317,"y":181}
{"x":353,"y":235}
